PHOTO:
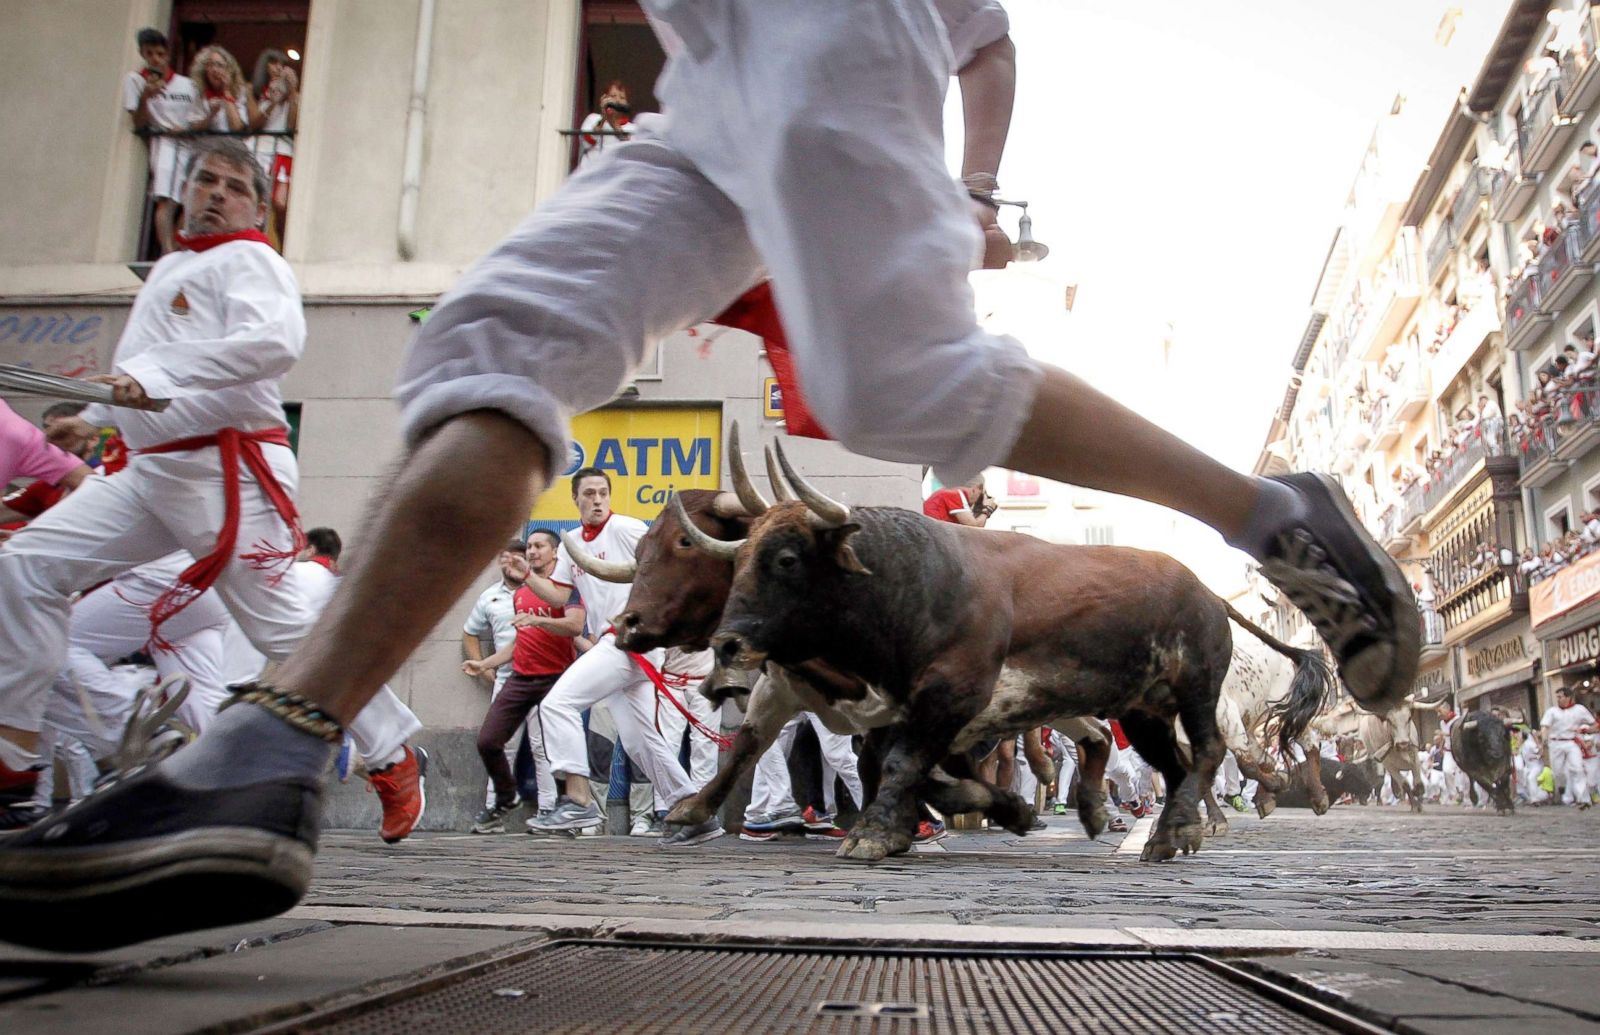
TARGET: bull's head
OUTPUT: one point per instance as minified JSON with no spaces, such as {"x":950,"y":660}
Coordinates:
{"x":797,"y":559}
{"x":678,"y":591}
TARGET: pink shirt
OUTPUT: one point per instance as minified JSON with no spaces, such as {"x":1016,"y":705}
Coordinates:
{"x":24,"y":453}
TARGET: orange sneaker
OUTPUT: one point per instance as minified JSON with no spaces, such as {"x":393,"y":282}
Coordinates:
{"x":400,"y":789}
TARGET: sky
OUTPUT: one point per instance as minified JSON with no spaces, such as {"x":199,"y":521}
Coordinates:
{"x":1188,"y":163}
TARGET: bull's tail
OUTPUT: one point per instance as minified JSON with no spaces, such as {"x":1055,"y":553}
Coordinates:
{"x":1308,"y":692}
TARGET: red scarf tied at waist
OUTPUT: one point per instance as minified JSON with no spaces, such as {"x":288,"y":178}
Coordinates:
{"x":660,"y":680}
{"x":234,"y":446}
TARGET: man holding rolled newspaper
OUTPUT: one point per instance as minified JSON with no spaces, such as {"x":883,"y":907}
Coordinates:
{"x":195,"y":384}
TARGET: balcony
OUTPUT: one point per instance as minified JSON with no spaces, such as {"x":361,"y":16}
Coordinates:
{"x":1440,"y":248}
{"x":1562,"y":271}
{"x":1542,"y":131}
{"x":1468,"y":200}
{"x":1589,"y":220}
{"x":1432,"y":633}
{"x":1486,"y":450}
{"x":1474,"y":587}
{"x":1523,"y":318}
{"x":1472,"y":328}
{"x":1580,"y":70}
{"x":1537,"y":465}
{"x":1410,"y":394}
{"x":1510,"y":191}
{"x":1412,"y":511}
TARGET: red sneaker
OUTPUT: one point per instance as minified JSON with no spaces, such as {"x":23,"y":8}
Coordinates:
{"x":400,"y":788}
{"x":18,"y":783}
{"x":816,"y":822}
{"x":928,"y":831}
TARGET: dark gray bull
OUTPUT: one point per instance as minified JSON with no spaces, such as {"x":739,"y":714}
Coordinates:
{"x":678,"y":592}
{"x":952,"y":622}
{"x":1482,"y":748}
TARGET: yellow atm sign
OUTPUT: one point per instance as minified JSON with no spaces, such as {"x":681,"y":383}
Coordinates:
{"x":649,"y":454}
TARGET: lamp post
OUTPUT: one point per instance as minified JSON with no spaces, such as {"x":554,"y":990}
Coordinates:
{"x":1027,"y":249}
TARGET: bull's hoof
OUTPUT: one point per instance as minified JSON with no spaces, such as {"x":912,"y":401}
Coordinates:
{"x":1416,"y":806}
{"x":1158,"y":849}
{"x":872,"y":845}
{"x":690,"y":812}
{"x":1504,"y":812}
{"x":1188,"y":837}
{"x":1216,"y":826}
{"x":1094,"y":820}
{"x":1022,"y":822}
{"x":1266,"y":804}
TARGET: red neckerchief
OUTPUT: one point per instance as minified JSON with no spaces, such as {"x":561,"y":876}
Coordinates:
{"x":326,"y":562}
{"x":204,"y":242}
{"x":589,"y":533}
{"x":211,"y":94}
{"x":166,"y":76}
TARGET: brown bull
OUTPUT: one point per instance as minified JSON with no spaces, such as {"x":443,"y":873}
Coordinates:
{"x":953,"y":623}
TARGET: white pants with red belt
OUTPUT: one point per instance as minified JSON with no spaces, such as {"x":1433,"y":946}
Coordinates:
{"x":156,"y":505}
{"x":606,"y":674}
{"x":1566,"y":763}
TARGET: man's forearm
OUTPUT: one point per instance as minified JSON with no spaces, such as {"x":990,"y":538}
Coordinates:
{"x":471,"y":647}
{"x":988,"y":92}
{"x":549,"y":592}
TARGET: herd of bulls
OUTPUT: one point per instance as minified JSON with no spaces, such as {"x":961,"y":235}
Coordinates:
{"x":928,"y":638}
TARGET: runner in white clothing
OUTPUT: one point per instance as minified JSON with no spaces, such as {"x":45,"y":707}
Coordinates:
{"x":381,"y":730}
{"x":607,"y":674}
{"x":1561,"y":727}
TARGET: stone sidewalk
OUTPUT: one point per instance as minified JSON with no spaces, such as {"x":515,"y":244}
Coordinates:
{"x":1454,"y":920}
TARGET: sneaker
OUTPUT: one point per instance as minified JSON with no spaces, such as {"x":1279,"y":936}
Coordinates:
{"x":1238,"y":803}
{"x":928,"y":831}
{"x":492,"y":820}
{"x":762,"y":822}
{"x":18,"y":784}
{"x":1351,"y":590}
{"x":400,"y":790}
{"x":747,"y":834}
{"x":679,"y":835}
{"x":147,"y":857}
{"x":646,"y":825}
{"x":1138,"y":811}
{"x":816,"y":822}
{"x":567,"y":815}
{"x":21,"y":816}
{"x":1039,"y":824}
{"x":1117,"y":826}
{"x":1059,"y":808}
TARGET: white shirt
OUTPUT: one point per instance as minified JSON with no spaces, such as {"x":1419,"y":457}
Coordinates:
{"x":597,"y":137}
{"x":218,"y":121}
{"x":241,"y":662}
{"x":616,"y":541}
{"x":277,"y":121}
{"x":492,"y":614}
{"x":1562,"y":723}
{"x":174,"y":108}
{"x":215,"y":332}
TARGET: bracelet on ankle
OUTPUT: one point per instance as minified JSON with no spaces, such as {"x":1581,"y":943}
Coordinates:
{"x":297,"y":711}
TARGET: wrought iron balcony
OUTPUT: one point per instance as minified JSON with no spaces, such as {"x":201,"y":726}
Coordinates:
{"x":1562,"y":271}
{"x":1522,"y":309}
{"x":1465,"y":206}
{"x":1440,"y":248}
{"x":1542,"y":131}
{"x":1580,"y":70}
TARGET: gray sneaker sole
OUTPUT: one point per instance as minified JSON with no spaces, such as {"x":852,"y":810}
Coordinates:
{"x":702,"y":838}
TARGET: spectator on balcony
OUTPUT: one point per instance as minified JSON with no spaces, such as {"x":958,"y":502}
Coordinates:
{"x":609,"y":126}
{"x":1465,"y":428}
{"x":1576,"y":182}
{"x":1529,"y":565}
{"x":1491,"y":425}
{"x":224,"y":101}
{"x":1478,"y":290}
{"x":161,"y":102}
{"x":274,"y":105}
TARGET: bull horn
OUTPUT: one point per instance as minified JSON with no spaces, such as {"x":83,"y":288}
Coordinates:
{"x":780,"y":488}
{"x":721,"y":549}
{"x":606,"y":571}
{"x":752,"y":501}
{"x":829,"y":512}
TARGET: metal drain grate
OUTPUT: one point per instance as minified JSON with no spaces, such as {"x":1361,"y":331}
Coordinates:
{"x":604,"y":988}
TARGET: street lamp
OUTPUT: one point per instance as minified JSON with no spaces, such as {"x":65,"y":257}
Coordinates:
{"x":1027,"y":249}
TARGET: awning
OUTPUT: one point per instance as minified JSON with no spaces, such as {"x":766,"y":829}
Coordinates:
{"x":1521,"y":674}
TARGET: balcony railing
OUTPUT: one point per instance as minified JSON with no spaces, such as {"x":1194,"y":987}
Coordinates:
{"x":1522,"y":304}
{"x":1561,"y":429}
{"x":169,"y":154}
{"x":1579,"y":69}
{"x":1440,"y":248}
{"x":1558,"y":260}
{"x":1487,"y":442}
{"x":1432,"y":627}
{"x":1538,"y":126}
{"x":1473,"y":561}
{"x":1509,"y":190}
{"x":1465,"y":205}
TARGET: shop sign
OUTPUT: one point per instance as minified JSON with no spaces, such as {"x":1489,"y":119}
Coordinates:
{"x":1434,"y":683}
{"x":1572,"y":649}
{"x":649,"y":453}
{"x":1567,"y":589}
{"x":1482,"y":662}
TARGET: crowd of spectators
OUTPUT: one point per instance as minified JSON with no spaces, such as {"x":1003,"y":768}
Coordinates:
{"x":1561,"y":399}
{"x":1561,"y":551}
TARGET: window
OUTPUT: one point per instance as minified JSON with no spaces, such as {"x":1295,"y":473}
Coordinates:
{"x":1099,"y":535}
{"x":616,"y":45}
{"x":247,"y":30}
{"x":1558,"y":519}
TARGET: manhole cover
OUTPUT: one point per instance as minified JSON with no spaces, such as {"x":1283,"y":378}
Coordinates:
{"x":605,"y":988}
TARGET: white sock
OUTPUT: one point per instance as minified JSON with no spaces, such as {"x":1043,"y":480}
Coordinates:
{"x":397,"y":755}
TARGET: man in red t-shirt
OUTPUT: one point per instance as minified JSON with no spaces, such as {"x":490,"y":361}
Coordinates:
{"x":541,"y":652}
{"x":964,"y":506}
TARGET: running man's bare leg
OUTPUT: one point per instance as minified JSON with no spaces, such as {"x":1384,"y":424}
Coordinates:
{"x":461,"y":492}
{"x":1078,"y":435}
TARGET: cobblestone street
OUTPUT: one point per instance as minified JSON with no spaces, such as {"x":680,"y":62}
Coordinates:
{"x":1455,"y":920}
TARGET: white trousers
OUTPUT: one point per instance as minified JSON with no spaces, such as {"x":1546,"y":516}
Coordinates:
{"x":1229,"y":780}
{"x":158,"y":504}
{"x":703,"y":750}
{"x":1457,"y":784}
{"x":1566,"y":762}
{"x":838,"y":188}
{"x":771,"y":790}
{"x":606,"y":673}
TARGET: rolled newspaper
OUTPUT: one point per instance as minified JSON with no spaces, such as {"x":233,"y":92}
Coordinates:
{"x":26,"y":381}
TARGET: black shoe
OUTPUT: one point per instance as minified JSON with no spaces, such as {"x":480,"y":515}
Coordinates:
{"x":1351,"y":590}
{"x":492,"y":820}
{"x":16,"y":818}
{"x":146,"y":857}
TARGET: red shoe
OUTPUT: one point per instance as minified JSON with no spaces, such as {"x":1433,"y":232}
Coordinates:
{"x":400,"y":789}
{"x":816,"y":822}
{"x":18,"y":783}
{"x":928,"y":831}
